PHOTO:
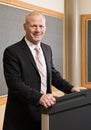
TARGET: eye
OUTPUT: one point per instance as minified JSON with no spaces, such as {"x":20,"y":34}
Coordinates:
{"x":36,"y":26}
{"x":33,"y":26}
{"x":41,"y":26}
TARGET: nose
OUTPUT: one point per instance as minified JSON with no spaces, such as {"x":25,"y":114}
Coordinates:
{"x":37,"y":28}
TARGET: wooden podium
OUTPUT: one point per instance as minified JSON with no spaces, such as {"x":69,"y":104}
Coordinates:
{"x":71,"y":112}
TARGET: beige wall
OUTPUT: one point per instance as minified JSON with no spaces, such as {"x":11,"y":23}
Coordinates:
{"x":85,"y":6}
{"x":2,"y":109}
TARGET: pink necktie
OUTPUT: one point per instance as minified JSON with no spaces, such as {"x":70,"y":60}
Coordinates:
{"x":40,"y":66}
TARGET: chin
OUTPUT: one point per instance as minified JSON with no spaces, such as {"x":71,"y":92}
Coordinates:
{"x":37,"y":41}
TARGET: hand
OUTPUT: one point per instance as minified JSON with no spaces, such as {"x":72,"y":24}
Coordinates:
{"x":47,"y":100}
{"x":77,"y":89}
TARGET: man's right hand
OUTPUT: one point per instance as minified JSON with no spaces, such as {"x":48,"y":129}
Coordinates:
{"x":47,"y":100}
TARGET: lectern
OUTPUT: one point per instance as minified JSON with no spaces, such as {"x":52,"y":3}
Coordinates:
{"x":71,"y":112}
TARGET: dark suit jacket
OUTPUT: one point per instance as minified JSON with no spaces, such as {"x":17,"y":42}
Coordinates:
{"x":23,"y":81}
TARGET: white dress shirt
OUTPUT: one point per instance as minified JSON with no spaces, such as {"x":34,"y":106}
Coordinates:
{"x":32,"y":48}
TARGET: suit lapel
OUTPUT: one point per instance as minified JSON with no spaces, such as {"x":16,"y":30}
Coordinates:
{"x":45,"y":51}
{"x":45,"y":55}
{"x":28,"y":53}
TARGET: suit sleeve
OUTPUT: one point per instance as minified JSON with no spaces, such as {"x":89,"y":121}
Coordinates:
{"x":60,"y":83}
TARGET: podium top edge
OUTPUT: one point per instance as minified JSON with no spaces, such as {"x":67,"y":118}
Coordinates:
{"x":69,"y":101}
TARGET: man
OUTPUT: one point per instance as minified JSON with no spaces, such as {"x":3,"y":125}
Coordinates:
{"x":25,"y":79}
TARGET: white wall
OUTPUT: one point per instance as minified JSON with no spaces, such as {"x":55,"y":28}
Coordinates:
{"x":56,"y":5}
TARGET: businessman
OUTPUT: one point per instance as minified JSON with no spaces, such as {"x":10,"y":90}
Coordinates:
{"x":30,"y":74}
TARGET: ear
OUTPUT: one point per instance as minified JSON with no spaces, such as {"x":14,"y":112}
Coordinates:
{"x":24,"y":26}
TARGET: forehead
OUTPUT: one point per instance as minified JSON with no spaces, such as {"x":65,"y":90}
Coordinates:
{"x":37,"y":18}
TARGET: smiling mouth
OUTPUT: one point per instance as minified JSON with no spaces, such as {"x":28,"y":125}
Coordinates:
{"x":37,"y":36}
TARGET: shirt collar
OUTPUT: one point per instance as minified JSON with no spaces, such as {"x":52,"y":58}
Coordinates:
{"x":30,"y":44}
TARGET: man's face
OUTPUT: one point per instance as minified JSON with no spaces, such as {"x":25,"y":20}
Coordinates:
{"x":35,"y":28}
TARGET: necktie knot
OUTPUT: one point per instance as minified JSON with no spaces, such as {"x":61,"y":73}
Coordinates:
{"x":37,"y":49}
